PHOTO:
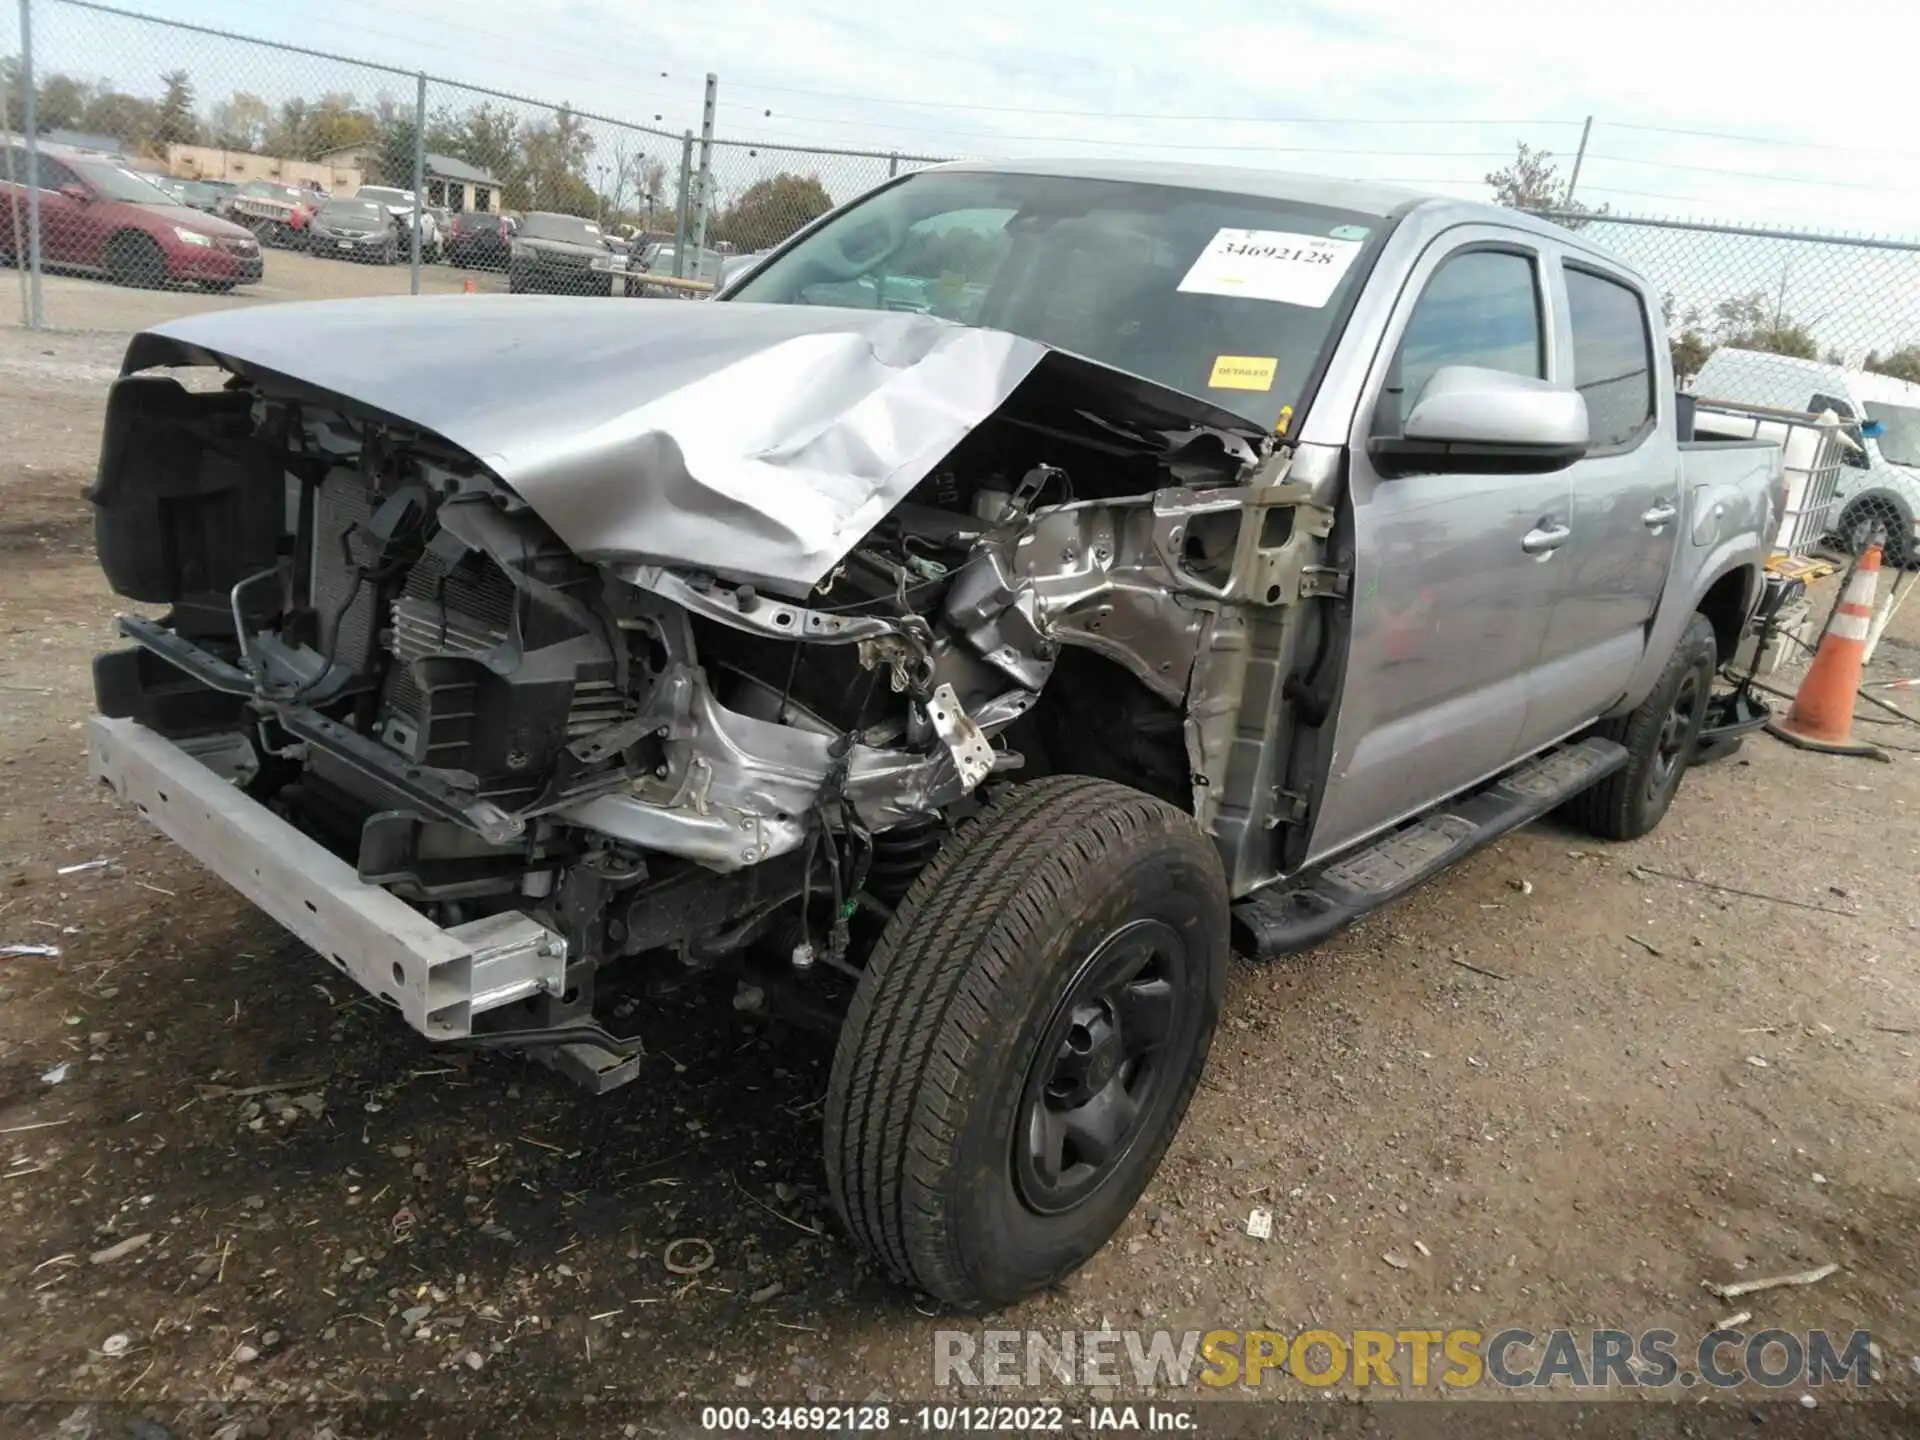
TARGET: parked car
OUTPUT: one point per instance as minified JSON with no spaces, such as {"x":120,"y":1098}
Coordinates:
{"x":1284,"y":541}
{"x":559,"y":255}
{"x":206,"y":195}
{"x":97,"y":216}
{"x":653,"y":278}
{"x":704,"y":265}
{"x":355,"y":230}
{"x":734,"y":267}
{"x":276,"y":214}
{"x":479,"y":240}
{"x":401,"y":205}
{"x":1880,"y":484}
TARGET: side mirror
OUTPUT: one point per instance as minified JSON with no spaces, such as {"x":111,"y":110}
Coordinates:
{"x":1468,"y":419}
{"x":78,"y":193}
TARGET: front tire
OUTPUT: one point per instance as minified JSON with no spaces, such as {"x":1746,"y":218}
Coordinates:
{"x":1661,"y":737}
{"x":135,"y":259}
{"x":1025,"y":1039}
{"x":1857,"y":523}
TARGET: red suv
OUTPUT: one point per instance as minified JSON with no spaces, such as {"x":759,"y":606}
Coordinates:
{"x":97,"y":215}
{"x":478,"y":238}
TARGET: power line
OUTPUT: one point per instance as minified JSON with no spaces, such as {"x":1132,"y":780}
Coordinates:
{"x":1759,"y":139}
{"x":994,"y":135}
{"x":356,"y":28}
{"x":1756,"y":175}
{"x":738,"y":85}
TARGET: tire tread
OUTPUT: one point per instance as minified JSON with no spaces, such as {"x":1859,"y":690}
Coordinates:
{"x":955,"y":954}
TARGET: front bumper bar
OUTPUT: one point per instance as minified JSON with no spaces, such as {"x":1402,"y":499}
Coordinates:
{"x":440,"y":979}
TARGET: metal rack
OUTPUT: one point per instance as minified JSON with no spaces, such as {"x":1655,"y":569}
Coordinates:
{"x":1814,"y":448}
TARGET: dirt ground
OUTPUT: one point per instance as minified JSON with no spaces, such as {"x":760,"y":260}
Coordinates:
{"x":79,"y":303}
{"x":1559,"y":1087}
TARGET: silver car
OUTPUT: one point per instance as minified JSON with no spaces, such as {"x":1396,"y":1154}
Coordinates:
{"x":1028,"y":583}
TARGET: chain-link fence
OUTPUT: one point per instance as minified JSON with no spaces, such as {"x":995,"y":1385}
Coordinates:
{"x":149,"y":166}
{"x":180,"y":167}
{"x":1802,"y":322}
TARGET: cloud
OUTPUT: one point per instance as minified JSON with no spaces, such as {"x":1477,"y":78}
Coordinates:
{"x":1400,"y":75}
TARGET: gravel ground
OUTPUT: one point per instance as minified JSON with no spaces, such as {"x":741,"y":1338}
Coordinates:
{"x":1553,"y":1088}
{"x":78,"y":303}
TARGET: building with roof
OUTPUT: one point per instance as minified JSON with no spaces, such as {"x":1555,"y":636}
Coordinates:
{"x":460,"y":186}
{"x":451,"y":182}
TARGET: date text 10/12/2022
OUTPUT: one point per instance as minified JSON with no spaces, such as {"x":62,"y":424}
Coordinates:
{"x":1042,"y":1418}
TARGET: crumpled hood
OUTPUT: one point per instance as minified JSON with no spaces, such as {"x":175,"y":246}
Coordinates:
{"x":761,"y":442}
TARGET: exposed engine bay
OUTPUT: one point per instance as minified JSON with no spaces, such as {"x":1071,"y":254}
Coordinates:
{"x":389,"y":647}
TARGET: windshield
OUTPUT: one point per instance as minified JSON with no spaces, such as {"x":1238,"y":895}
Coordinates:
{"x":1900,"y":432}
{"x":1230,"y":297}
{"x":561,"y":227}
{"x":384,"y":196}
{"x":277,"y":192}
{"x":117,"y":184}
{"x":341,"y":211}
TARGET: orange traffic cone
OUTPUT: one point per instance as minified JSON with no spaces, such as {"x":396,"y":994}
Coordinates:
{"x":1822,"y":713}
{"x":467,"y":289}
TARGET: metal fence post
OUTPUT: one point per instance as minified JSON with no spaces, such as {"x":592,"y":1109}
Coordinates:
{"x":1579,"y":155}
{"x":703,"y":189}
{"x":29,"y":122}
{"x":686,"y":199}
{"x":893,"y":165}
{"x":419,"y":172}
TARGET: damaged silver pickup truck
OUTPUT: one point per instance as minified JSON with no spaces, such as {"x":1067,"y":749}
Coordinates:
{"x":905,"y":627}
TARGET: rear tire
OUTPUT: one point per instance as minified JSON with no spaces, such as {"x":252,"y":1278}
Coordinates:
{"x":135,"y":259}
{"x":1025,"y":1039}
{"x":1660,"y":737}
{"x":1856,"y":529}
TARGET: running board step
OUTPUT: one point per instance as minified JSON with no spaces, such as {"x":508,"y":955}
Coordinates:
{"x":1321,"y":903}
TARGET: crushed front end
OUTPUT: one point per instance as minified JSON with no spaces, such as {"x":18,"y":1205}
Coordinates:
{"x":472,"y":730}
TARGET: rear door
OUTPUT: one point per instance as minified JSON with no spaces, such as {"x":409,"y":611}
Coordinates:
{"x":63,"y":228}
{"x":1454,"y":574}
{"x":1626,"y":507}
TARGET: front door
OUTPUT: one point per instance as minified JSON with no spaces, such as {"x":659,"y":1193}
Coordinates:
{"x":1454,"y":574}
{"x":1626,"y":511}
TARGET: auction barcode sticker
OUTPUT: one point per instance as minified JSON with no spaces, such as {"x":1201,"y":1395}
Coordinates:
{"x":1275,"y":265}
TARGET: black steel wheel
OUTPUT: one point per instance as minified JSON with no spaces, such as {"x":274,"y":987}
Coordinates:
{"x":1102,"y":1060}
{"x":1025,"y":1039}
{"x":1660,"y":736}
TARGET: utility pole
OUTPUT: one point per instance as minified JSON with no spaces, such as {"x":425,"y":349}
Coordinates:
{"x":686,"y":199}
{"x":704,"y":187}
{"x":1578,"y":156}
{"x":36,"y":319}
{"x":419,"y":170}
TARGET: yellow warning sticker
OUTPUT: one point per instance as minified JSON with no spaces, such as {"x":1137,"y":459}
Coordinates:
{"x":1243,"y":372}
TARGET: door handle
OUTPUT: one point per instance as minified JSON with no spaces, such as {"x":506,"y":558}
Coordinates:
{"x":1545,"y":539}
{"x":1660,"y":515}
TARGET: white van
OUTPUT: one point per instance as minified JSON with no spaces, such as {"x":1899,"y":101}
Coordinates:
{"x":1882,"y":481}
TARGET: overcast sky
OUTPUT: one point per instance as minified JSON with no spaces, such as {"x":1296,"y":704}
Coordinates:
{"x":1434,"y":93}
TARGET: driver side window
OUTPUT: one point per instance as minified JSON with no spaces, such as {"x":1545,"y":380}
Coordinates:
{"x":944,"y":265}
{"x":1480,"y":307}
{"x":1853,"y":456}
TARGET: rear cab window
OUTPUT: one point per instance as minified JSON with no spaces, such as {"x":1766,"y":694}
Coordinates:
{"x":1613,"y":365}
